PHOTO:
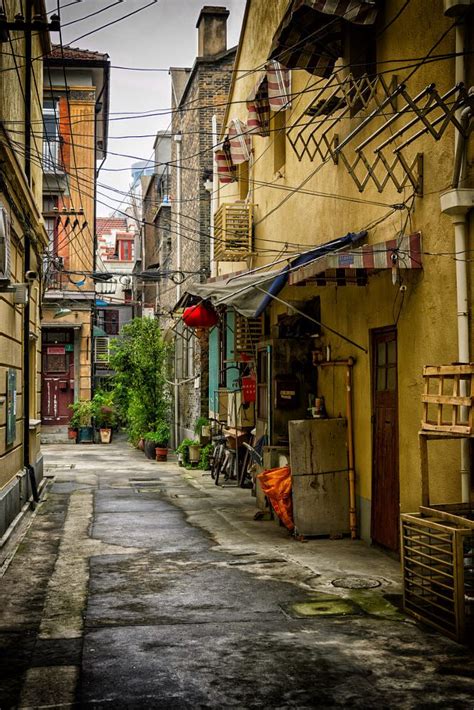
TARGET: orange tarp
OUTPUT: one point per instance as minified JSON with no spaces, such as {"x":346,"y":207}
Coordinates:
{"x":276,"y":484}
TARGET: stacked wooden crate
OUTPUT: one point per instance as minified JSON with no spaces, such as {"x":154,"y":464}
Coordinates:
{"x":437,"y":543}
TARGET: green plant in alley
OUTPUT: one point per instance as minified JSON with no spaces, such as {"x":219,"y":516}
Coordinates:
{"x":82,"y":413}
{"x":160,"y":436}
{"x":104,"y":410}
{"x":183,"y":448}
{"x":206,"y":453}
{"x":199,"y":424}
{"x":139,"y":360}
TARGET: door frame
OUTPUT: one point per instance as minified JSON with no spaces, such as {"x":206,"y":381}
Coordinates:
{"x":374,"y":332}
{"x":74,"y":340}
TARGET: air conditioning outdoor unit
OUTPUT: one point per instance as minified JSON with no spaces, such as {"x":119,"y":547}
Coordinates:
{"x":4,"y":248}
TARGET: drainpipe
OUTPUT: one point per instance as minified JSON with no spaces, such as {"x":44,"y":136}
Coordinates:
{"x":215,"y":188}
{"x":177,"y":138}
{"x":27,"y":264}
{"x":457,"y":203}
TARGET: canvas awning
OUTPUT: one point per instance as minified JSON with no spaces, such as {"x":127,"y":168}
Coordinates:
{"x":226,"y":170}
{"x":239,"y":142}
{"x":310,"y":257}
{"x":310,"y":35}
{"x":271,"y":93}
{"x":354,"y":266}
{"x":238,"y":292}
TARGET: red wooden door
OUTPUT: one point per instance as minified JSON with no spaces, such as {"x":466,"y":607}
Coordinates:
{"x":385,"y":481}
{"x":58,"y":379}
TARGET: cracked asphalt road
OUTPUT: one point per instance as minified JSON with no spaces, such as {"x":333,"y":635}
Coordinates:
{"x":141,"y":585}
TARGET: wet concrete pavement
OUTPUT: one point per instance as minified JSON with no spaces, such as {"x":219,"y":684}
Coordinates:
{"x":142,"y":585}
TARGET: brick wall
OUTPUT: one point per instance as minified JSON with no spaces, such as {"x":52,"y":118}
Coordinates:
{"x":206,"y":96}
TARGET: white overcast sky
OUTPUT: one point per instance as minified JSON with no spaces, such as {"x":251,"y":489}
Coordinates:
{"x":161,"y":36}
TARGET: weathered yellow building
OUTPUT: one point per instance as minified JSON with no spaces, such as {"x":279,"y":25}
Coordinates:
{"x":76,"y":105}
{"x":353,"y":130}
{"x":22,"y":242}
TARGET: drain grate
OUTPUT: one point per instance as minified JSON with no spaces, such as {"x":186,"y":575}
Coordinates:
{"x":353,"y":582}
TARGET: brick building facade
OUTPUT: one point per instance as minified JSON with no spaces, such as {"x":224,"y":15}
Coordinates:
{"x":198,"y":95}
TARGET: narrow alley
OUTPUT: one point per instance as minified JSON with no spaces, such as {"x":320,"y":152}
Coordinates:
{"x":142,"y":584}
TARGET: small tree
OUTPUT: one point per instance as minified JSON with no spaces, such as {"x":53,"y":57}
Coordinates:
{"x":139,"y":359}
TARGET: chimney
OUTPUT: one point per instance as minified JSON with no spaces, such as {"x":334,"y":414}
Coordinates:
{"x":212,"y":30}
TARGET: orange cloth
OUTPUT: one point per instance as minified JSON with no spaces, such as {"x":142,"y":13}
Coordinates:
{"x":276,"y":484}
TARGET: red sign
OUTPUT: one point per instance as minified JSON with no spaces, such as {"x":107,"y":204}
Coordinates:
{"x":56,"y":350}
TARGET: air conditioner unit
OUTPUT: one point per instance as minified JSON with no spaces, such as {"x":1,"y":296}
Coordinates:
{"x":5,"y":239}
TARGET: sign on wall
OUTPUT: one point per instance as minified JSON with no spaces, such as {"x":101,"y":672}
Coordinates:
{"x":11,"y":407}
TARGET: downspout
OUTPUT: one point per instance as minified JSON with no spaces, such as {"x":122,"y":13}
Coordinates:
{"x":457,"y":203}
{"x":215,"y":189}
{"x":177,"y":139}
{"x":27,"y":264}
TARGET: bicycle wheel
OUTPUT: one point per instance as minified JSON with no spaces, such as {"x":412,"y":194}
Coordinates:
{"x":216,"y":459}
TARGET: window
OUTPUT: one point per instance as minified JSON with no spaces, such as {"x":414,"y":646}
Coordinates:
{"x":108,"y":320}
{"x":125,"y":249}
{"x":278,"y":135}
{"x":51,"y":149}
{"x":51,"y":223}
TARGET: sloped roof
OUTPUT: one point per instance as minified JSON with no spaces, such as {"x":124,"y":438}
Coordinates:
{"x":59,"y":52}
{"x":105,"y":225}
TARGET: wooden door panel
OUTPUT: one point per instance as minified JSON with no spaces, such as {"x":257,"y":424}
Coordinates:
{"x":385,"y":483}
{"x":57,"y":385}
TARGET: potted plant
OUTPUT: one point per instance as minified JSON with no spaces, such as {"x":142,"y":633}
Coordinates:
{"x":202,"y":429}
{"x":73,"y":426}
{"x":105,"y":416}
{"x":157,"y":440}
{"x":194,"y":452}
{"x":82,"y":412}
{"x":183,"y":451}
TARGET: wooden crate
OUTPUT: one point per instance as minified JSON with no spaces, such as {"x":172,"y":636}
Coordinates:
{"x":448,"y":399}
{"x":437,"y":547}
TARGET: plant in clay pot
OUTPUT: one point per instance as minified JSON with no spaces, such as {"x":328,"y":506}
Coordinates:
{"x":105,"y":415}
{"x":82,"y":412}
{"x":156,"y":442}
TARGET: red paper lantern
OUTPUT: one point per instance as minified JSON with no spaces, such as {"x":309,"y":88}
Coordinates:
{"x":200,"y":316}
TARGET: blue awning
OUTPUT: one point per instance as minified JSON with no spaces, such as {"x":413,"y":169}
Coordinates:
{"x":280,"y":281}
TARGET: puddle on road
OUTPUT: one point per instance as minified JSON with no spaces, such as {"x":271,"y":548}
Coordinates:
{"x":322,"y":605}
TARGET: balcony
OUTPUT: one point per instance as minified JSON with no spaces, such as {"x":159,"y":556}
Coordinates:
{"x":233,"y":232}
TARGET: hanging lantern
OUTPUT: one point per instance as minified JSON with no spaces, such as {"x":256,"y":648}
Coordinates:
{"x":202,"y":315}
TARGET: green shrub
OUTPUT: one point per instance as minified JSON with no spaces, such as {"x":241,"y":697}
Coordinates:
{"x":141,"y":392}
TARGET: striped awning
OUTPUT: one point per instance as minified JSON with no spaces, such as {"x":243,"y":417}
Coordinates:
{"x":353,"y":267}
{"x":226,"y":170}
{"x":310,"y":35}
{"x":240,"y":143}
{"x":271,"y":93}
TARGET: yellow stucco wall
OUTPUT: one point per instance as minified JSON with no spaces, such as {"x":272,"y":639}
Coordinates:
{"x":427,"y":330}
{"x":22,"y":202}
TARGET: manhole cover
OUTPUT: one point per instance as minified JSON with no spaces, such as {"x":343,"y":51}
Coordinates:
{"x":352,"y":582}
